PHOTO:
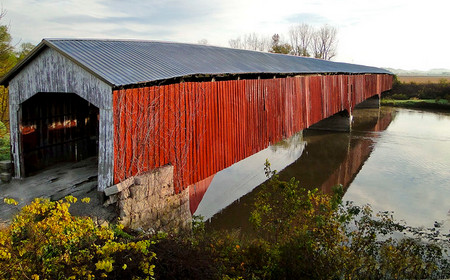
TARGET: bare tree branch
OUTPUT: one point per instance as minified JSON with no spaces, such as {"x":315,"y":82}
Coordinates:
{"x":301,"y":37}
{"x":203,"y":42}
{"x":325,"y":42}
{"x":250,"y":41}
{"x":304,"y":41}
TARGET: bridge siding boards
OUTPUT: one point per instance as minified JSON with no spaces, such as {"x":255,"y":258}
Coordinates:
{"x":203,"y":127}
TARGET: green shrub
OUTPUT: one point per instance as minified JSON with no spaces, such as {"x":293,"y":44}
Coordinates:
{"x":447,"y":97}
{"x":45,"y":242}
{"x":180,"y":258}
{"x":403,"y":91}
{"x":299,"y":234}
{"x":309,"y":235}
{"x":399,"y":96}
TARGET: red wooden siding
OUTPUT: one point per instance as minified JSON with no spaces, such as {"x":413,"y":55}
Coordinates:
{"x":197,"y":191}
{"x":203,"y":127}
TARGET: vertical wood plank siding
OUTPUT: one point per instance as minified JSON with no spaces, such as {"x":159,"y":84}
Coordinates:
{"x":203,"y":127}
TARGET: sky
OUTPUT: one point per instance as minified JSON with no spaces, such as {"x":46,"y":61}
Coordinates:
{"x":404,"y":34}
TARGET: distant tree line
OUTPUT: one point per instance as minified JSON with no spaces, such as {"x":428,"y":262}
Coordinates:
{"x":304,"y":40}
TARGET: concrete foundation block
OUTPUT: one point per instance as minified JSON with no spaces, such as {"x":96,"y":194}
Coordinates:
{"x":6,"y":166}
{"x":119,"y":187}
{"x":5,"y":177}
{"x":338,"y":122}
{"x":152,"y":202}
{"x":111,"y":200}
{"x":373,"y":102}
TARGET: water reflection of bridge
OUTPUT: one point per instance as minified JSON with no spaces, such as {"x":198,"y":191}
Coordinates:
{"x":320,"y":159}
{"x":360,"y":146}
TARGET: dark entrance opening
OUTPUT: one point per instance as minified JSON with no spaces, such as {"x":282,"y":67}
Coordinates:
{"x":57,"y":127}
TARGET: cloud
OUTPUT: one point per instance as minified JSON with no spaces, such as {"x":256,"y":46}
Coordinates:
{"x":137,"y":18}
{"x":391,"y":33}
{"x":309,"y":18}
{"x":87,"y":19}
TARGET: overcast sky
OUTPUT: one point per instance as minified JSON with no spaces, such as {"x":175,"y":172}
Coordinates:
{"x":407,"y":34}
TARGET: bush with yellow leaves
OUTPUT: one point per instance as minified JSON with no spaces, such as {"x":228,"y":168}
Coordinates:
{"x":45,"y":241}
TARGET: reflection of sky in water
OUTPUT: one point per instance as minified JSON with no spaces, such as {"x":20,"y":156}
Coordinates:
{"x":239,"y":179}
{"x":408,"y":171}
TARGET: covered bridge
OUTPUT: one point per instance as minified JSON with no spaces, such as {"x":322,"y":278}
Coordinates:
{"x":140,"y":105}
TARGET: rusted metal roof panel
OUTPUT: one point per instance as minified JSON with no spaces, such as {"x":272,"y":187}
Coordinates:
{"x":126,"y":62}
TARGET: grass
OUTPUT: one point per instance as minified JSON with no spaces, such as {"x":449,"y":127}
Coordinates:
{"x":417,"y":103}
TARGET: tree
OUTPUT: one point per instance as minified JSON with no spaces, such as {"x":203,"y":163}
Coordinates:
{"x":8,"y":58}
{"x":304,"y":40}
{"x":283,"y":48}
{"x":26,"y":48}
{"x":301,"y":37}
{"x":250,"y":41}
{"x":325,"y":42}
{"x":278,"y":47}
{"x":7,"y":61}
{"x":235,"y":43}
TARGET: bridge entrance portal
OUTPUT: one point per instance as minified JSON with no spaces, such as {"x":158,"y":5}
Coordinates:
{"x":57,"y":127}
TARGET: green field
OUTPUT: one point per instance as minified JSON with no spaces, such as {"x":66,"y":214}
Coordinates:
{"x":417,"y":103}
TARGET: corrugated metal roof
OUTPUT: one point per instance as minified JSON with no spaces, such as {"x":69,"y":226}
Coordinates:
{"x":125,"y":62}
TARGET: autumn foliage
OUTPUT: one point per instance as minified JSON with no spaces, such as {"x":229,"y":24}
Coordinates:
{"x":46,"y":242}
{"x":298,"y":234}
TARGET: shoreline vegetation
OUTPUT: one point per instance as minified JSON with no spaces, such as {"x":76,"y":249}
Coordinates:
{"x":299,"y":234}
{"x":417,"y":103}
{"x":419,"y":94}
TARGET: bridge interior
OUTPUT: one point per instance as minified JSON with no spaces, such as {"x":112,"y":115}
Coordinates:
{"x":56,"y":128}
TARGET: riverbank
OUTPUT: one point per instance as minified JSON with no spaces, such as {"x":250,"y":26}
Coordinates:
{"x":299,"y":234}
{"x":418,"y":94}
{"x":418,"y":103}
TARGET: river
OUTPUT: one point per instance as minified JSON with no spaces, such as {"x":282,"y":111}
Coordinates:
{"x":393,"y":159}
